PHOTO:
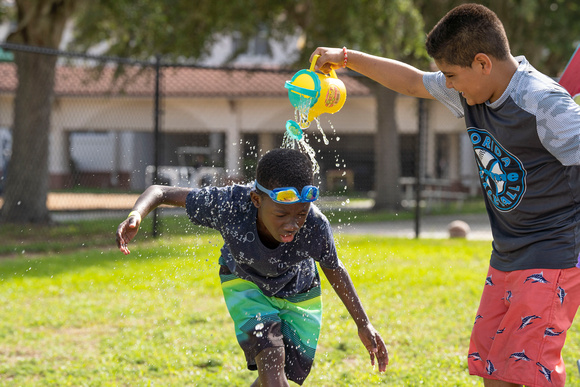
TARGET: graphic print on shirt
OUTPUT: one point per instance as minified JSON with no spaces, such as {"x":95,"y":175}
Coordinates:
{"x":502,"y":175}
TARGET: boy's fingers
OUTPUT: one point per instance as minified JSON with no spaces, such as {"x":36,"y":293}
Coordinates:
{"x":372,"y":348}
{"x":383,"y":361}
{"x":122,"y":244}
{"x":122,"y":237}
{"x":378,"y":349}
{"x":382,"y":355}
{"x":119,"y":239}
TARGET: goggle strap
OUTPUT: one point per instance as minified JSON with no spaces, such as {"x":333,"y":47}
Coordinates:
{"x":309,"y":193}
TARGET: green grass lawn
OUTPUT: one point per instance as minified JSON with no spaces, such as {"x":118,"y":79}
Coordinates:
{"x":93,"y":317}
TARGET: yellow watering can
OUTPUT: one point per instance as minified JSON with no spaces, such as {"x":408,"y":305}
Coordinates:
{"x":315,"y":93}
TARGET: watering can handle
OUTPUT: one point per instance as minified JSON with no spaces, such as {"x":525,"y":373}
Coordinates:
{"x":314,"y":59}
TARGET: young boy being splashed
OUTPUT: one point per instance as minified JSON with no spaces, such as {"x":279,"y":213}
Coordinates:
{"x":273,"y":236}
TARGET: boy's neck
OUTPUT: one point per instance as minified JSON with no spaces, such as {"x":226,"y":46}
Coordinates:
{"x":505,"y":70}
{"x":268,"y":241}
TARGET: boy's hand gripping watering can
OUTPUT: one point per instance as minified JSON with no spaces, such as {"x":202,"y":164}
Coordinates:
{"x":315,"y":93}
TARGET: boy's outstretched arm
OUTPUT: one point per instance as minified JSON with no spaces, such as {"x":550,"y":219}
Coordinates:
{"x":392,"y":74}
{"x":343,"y":286}
{"x":153,"y":197}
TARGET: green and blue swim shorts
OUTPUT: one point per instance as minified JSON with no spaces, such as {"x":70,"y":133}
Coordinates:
{"x":268,"y":322}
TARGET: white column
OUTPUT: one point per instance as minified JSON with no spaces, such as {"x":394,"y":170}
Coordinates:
{"x":453,"y":156}
{"x":58,"y":157}
{"x":233,"y":143}
{"x":430,"y":157}
{"x":265,"y":143}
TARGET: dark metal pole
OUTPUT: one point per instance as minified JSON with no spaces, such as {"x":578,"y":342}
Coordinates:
{"x":156,"y":137}
{"x":420,"y":159}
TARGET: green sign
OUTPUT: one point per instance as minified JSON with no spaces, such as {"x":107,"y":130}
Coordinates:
{"x":6,"y":56}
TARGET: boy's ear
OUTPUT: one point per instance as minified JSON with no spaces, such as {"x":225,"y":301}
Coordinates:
{"x":256,"y":199}
{"x":483,"y":62}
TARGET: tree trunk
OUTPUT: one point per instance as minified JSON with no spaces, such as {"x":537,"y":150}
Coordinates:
{"x":40,"y":23}
{"x":27,"y":180}
{"x":387,"y":162}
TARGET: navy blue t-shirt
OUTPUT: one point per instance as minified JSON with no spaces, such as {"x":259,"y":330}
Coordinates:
{"x":288,"y":269}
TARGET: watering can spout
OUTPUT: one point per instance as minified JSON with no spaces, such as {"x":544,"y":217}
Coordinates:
{"x":313,"y":93}
{"x":294,"y":130}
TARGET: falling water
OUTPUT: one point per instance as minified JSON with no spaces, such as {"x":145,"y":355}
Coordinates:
{"x":291,"y":143}
{"x":321,"y":131}
{"x":301,"y":116}
{"x":295,"y":137}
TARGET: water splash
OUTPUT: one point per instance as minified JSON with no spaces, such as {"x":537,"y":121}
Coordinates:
{"x":326,"y":142}
{"x":290,"y":142}
{"x":295,"y":136}
{"x":301,"y":117}
{"x":258,"y":330}
{"x":301,"y":112}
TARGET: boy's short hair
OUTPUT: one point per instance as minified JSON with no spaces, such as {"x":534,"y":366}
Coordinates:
{"x":467,"y":30}
{"x":283,"y":167}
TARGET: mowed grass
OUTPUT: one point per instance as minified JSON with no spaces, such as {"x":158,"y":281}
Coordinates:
{"x":94,"y":317}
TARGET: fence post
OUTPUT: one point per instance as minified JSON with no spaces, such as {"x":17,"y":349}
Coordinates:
{"x":420,"y":157}
{"x":156,"y":137}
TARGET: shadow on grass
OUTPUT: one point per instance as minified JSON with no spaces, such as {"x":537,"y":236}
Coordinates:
{"x":144,"y":248}
{"x":22,"y":240}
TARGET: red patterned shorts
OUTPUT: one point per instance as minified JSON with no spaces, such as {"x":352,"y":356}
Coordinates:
{"x":521,"y":325}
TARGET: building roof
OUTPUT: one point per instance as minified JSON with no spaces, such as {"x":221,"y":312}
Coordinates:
{"x":180,"y":81}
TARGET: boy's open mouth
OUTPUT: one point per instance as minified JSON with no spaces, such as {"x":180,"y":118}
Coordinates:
{"x":287,"y":237}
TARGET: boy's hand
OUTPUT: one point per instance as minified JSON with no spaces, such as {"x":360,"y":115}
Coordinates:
{"x":127,"y":231}
{"x":330,"y":59}
{"x":374,"y":343}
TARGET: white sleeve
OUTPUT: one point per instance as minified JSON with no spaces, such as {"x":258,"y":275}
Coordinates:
{"x":435,"y":85}
{"x":558,"y":123}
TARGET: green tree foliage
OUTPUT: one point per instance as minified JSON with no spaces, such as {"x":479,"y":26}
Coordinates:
{"x":172,"y":28}
{"x":184,"y":29}
{"x":546,"y":31}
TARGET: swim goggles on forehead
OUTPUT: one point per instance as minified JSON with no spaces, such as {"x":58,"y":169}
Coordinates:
{"x":290,"y":195}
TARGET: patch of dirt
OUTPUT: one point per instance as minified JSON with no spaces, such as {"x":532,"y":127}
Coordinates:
{"x":58,"y":201}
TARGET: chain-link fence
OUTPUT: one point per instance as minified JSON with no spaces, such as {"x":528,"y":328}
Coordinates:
{"x":114,"y":120}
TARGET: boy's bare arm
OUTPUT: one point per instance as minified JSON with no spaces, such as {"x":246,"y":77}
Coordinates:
{"x":372,"y":340}
{"x":393,"y":74}
{"x":153,"y":197}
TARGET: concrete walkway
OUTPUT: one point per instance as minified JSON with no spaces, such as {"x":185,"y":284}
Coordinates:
{"x":104,"y":206}
{"x":430,"y":227}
